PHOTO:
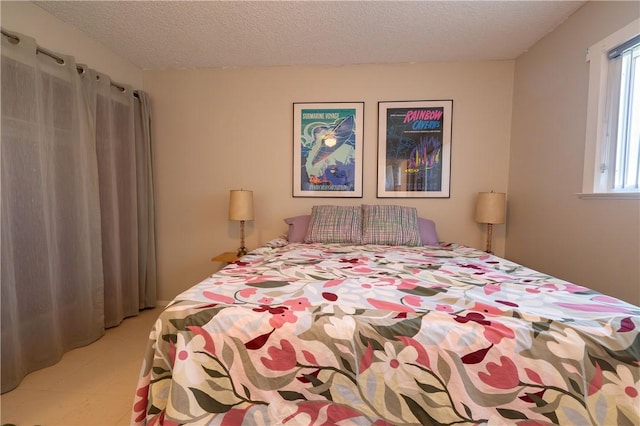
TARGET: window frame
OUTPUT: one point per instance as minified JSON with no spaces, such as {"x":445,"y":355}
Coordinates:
{"x":597,"y":56}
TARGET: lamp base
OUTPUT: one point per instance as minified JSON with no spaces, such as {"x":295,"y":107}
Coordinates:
{"x":242,"y":250}
{"x":489,"y":237}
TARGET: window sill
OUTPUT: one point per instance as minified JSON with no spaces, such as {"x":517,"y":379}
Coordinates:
{"x":609,"y":195}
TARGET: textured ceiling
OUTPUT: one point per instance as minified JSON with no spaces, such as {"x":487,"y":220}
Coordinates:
{"x":205,"y":34}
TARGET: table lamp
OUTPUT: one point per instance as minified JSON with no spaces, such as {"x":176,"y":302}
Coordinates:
{"x":490,"y":209}
{"x":241,"y":209}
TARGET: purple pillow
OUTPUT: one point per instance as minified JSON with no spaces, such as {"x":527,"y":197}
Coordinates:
{"x":297,"y":228}
{"x":428,"y":233}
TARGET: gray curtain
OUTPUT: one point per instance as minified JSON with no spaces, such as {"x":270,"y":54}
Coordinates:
{"x":71,"y":217}
{"x":146,"y":207}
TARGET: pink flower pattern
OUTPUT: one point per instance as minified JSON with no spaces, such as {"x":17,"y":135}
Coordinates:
{"x":501,"y":376}
{"x":431,"y":333}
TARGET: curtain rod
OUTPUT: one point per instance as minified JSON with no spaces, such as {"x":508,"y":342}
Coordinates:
{"x":15,"y":39}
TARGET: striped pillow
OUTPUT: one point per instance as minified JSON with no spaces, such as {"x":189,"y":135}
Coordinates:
{"x":390,"y":225}
{"x":334,"y":224}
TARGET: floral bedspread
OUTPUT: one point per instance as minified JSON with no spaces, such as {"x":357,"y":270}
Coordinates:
{"x":326,"y":334}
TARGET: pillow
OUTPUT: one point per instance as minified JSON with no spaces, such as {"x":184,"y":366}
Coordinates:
{"x":390,"y":225}
{"x":428,"y":234}
{"x":334,"y":224}
{"x":297,"y":228}
{"x":280,"y":241}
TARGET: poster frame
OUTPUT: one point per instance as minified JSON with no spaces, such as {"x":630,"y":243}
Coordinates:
{"x":303,"y":130}
{"x":398,"y":131}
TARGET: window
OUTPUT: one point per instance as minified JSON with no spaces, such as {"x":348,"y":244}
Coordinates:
{"x":612,"y":150}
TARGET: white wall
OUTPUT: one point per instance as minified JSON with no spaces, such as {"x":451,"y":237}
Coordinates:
{"x":216,"y":130}
{"x":51,"y":33}
{"x":592,"y":242}
{"x":221,"y":129}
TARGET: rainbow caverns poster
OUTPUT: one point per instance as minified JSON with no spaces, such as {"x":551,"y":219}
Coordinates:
{"x":414,"y":149}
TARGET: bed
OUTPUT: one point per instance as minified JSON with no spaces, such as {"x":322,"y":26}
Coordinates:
{"x":310,"y":331}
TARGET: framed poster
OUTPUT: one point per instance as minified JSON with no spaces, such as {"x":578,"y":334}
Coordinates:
{"x":327,"y":149}
{"x":414,"y":149}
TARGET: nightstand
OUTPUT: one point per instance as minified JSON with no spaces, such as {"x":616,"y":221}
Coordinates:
{"x":226,"y":257}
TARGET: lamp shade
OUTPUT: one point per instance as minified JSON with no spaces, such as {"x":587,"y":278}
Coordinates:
{"x":240,"y":205}
{"x":490,"y":207}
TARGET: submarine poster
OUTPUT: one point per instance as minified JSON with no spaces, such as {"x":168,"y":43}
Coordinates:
{"x":327,"y":151}
{"x":414,"y":149}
